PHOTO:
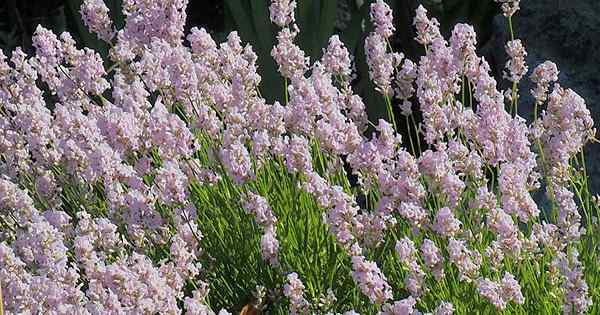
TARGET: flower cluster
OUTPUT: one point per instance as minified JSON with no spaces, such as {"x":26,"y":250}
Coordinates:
{"x":259,"y":207}
{"x":499,"y":294}
{"x":509,"y":7}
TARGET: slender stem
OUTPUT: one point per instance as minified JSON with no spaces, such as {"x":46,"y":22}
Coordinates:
{"x":544,"y":170}
{"x":510,"y":27}
{"x":470,"y":94}
{"x":390,"y":111}
{"x":514,"y":85}
{"x":286,"y":90}
{"x":412,"y":117}
{"x":586,"y":202}
{"x":1,"y":300}
{"x":462,"y":90}
{"x":412,"y":145}
{"x":584,"y":167}
{"x":513,"y":99}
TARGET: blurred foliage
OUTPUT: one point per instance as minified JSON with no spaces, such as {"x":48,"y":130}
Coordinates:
{"x":317,"y":19}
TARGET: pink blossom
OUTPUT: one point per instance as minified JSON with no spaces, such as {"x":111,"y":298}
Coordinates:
{"x":492,"y":292}
{"x":433,"y":258}
{"x":336,"y":58}
{"x":445,"y":223}
{"x":414,"y":214}
{"x":269,"y":246}
{"x":289,"y":57}
{"x":263,"y":216}
{"x":282,"y":12}
{"x":516,"y":65}
{"x":297,"y":155}
{"x":340,"y":216}
{"x":370,"y":280}
{"x":577,"y":299}
{"x":463,"y":43}
{"x":169,"y":133}
{"x":515,"y":196}
{"x":467,"y":261}
{"x":509,"y":7}
{"x":381,"y":64}
{"x":500,"y":294}
{"x":381,"y":16}
{"x":402,"y":307}
{"x":145,"y":20}
{"x":427,"y":29}
{"x":511,"y":289}
{"x":171,"y":184}
{"x":294,"y":290}
{"x":544,"y":74}
{"x":259,"y":207}
{"x":405,"y":248}
{"x":568,"y":127}
{"x":95,"y":17}
{"x":444,"y":308}
{"x":237,"y":163}
{"x":405,"y":78}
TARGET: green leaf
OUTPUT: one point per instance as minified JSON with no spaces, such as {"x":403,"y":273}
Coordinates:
{"x":326,"y":24}
{"x":243,"y":20}
{"x":353,"y":32}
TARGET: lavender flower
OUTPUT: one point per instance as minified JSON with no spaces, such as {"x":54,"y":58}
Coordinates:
{"x":282,"y":12}
{"x":370,"y":280}
{"x":104,"y":177}
{"x":297,"y":155}
{"x":260,"y":209}
{"x":95,"y":17}
{"x":289,"y":57}
{"x":381,"y":64}
{"x":427,"y":29}
{"x":336,"y":58}
{"x":444,"y":308}
{"x":236,"y":161}
{"x":509,"y":7}
{"x":381,"y":16}
{"x":568,"y":126}
{"x":516,"y":65}
{"x":269,"y":246}
{"x":294,"y":290}
{"x":433,"y":258}
{"x":468,"y":262}
{"x":500,"y":294}
{"x":402,"y":307}
{"x":577,"y":298}
{"x":544,"y":74}
{"x":445,"y":223}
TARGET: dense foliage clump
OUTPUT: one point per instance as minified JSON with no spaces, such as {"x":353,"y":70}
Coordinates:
{"x":166,"y":184}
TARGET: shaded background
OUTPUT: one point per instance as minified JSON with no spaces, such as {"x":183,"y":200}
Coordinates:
{"x":564,"y":31}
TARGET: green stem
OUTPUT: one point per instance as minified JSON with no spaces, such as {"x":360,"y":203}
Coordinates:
{"x":412,"y":117}
{"x":510,"y":27}
{"x":390,"y":111}
{"x":513,"y":99}
{"x":285,"y":83}
{"x":412,"y":146}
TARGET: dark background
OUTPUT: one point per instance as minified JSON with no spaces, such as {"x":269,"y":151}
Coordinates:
{"x":564,"y":31}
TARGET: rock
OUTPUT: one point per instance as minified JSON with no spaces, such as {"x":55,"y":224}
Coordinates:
{"x":565,"y":32}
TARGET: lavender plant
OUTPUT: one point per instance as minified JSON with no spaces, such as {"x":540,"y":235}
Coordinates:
{"x":166,"y":184}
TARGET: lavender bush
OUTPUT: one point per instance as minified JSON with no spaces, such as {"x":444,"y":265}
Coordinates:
{"x":165,"y":184}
